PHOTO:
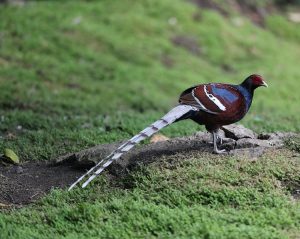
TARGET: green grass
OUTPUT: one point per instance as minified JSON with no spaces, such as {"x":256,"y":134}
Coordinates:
{"x":200,"y":196}
{"x":74,"y":74}
{"x":66,"y":67}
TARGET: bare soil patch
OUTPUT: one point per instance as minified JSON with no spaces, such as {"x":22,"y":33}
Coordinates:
{"x":20,"y":185}
{"x":189,"y":43}
{"x":255,"y":12}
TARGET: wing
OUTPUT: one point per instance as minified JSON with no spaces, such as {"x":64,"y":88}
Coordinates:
{"x":188,"y":97}
{"x":212,"y":98}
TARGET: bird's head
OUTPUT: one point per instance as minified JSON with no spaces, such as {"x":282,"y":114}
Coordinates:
{"x":254,"y":81}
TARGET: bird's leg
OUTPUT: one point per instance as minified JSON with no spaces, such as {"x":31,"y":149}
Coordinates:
{"x":219,"y":138}
{"x":215,"y":139}
{"x":212,"y":139}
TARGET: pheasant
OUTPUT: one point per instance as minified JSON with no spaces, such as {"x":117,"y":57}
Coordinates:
{"x":212,"y":105}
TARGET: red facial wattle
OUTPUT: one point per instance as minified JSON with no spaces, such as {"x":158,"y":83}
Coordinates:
{"x":257,"y":80}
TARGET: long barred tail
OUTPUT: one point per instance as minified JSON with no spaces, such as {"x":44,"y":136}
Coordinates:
{"x":173,"y":115}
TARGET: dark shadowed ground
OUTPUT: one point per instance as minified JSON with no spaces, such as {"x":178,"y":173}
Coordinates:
{"x":26,"y":183}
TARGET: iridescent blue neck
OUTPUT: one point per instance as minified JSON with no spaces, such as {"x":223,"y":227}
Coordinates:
{"x":248,"y":94}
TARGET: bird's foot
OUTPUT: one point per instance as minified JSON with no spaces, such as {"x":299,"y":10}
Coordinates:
{"x":216,"y":138}
{"x":219,"y":151}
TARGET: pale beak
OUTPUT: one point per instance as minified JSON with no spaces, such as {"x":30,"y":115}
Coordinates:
{"x":264,"y":84}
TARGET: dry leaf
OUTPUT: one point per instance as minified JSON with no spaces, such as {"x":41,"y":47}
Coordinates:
{"x":10,"y":136}
{"x":11,"y":156}
{"x":2,"y":205}
{"x":158,"y":138}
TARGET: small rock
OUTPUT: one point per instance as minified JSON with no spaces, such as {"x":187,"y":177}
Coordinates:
{"x":238,"y":21}
{"x":294,"y":17}
{"x":235,"y":131}
{"x":77,"y":20}
{"x":19,"y":170}
{"x":172,"y":21}
{"x":19,"y":127}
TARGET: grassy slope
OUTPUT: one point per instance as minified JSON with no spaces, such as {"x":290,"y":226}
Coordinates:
{"x":70,"y":86}
{"x":73,"y":85}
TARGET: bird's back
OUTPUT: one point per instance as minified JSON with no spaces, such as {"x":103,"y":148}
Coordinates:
{"x":220,"y":104}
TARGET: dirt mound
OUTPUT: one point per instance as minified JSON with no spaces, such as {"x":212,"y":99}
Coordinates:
{"x":20,"y":185}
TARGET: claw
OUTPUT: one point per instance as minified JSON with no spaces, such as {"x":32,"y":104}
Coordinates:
{"x":219,"y":151}
{"x":215,"y":139}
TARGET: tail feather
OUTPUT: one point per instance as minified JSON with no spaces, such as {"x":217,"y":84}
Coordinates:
{"x":172,"y":116}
